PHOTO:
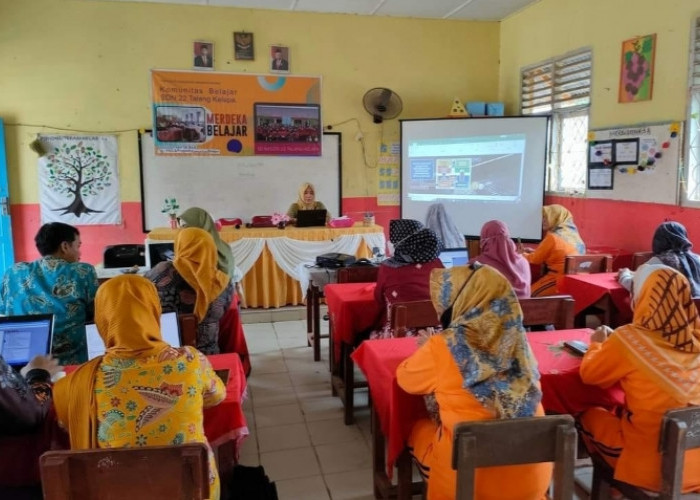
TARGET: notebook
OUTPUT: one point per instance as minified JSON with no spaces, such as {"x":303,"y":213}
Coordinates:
{"x":169,"y":329}
{"x":23,"y":337}
{"x":454,"y":257}
{"x":310,"y":218}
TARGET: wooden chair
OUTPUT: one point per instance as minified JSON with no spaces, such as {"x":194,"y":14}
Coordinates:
{"x":177,"y":472}
{"x":415,"y":314}
{"x":343,"y":376}
{"x":515,"y":441}
{"x":639,"y":258}
{"x":557,"y":310}
{"x":588,"y":264}
{"x":188,"y":329}
{"x":680,"y":431}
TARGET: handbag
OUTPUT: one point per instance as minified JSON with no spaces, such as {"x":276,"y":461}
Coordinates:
{"x":261,"y":221}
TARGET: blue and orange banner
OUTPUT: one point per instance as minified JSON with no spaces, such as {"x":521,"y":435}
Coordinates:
{"x":233,"y":114}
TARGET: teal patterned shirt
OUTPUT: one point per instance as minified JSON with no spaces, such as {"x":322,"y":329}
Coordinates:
{"x":53,"y":285}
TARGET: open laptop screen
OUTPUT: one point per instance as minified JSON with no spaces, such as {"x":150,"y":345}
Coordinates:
{"x":23,"y":337}
{"x":310,"y":218}
{"x":169,"y":329}
{"x":454,"y":257}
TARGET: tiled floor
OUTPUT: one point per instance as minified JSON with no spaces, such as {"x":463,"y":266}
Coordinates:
{"x":296,"y":426}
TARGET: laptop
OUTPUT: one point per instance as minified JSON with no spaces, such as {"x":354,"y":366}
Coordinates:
{"x":159,"y":251}
{"x":454,"y":257}
{"x":310,"y":218}
{"x":23,"y":337}
{"x":169,"y":329}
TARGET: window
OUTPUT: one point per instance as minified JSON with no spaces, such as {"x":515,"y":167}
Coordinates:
{"x":692,"y":187}
{"x":562,"y":87}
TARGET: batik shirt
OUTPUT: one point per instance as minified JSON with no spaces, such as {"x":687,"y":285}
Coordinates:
{"x":54,"y":286}
{"x":157,"y":402}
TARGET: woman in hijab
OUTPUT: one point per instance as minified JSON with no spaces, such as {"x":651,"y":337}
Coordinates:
{"x":405,"y":276}
{"x":562,"y":239}
{"x":197,"y":217}
{"x":192,"y":283}
{"x":671,"y":247}
{"x":656,"y":360}
{"x":479,"y":368}
{"x":306,"y":201}
{"x":499,"y":252}
{"x":440,"y":221}
{"x":142,"y":391}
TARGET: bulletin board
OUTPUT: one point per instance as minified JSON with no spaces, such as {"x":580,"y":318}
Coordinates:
{"x":636,"y":163}
{"x":236,"y":187}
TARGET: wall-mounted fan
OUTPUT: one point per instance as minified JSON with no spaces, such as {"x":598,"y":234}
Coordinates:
{"x":382,"y":104}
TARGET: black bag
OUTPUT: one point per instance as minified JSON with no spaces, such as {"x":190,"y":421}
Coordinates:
{"x":250,"y":483}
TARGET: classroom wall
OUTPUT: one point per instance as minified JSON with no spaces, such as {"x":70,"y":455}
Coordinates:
{"x":84,"y":65}
{"x":553,"y":27}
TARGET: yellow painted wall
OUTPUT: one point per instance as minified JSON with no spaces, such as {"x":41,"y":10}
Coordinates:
{"x":82,"y":64}
{"x":554,"y":27}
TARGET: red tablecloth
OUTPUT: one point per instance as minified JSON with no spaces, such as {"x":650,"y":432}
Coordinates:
{"x":563,"y":390}
{"x":352,"y":309}
{"x":587,"y":289}
{"x":231,"y":336}
{"x":225,"y":420}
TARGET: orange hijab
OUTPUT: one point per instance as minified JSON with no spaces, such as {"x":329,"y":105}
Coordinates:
{"x":663,"y":339}
{"x":127,"y":315}
{"x":196,"y":260}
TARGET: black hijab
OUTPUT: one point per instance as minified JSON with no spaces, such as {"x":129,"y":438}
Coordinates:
{"x":672,"y":247}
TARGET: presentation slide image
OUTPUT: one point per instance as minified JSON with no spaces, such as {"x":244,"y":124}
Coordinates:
{"x":180,"y":124}
{"x":482,"y":177}
{"x":16,"y":345}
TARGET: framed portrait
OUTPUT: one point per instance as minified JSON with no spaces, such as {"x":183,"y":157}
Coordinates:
{"x":203,"y":54}
{"x":279,"y":59}
{"x":637,"y":69}
{"x":243,"y":47}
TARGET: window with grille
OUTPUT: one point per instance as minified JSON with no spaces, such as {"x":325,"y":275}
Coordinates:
{"x":692,"y":187}
{"x":562,"y":87}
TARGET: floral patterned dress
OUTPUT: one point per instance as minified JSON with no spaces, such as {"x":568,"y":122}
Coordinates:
{"x":157,"y":402}
{"x":53,"y":285}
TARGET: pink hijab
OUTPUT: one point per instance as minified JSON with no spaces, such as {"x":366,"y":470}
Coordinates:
{"x":498,"y":251}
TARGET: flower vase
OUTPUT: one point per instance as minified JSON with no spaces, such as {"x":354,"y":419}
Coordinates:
{"x":173,"y":222}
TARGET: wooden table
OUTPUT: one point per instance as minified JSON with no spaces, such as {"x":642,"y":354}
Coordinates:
{"x":394,"y":411}
{"x":265,"y":283}
{"x":352,"y":309}
{"x":600,"y":290}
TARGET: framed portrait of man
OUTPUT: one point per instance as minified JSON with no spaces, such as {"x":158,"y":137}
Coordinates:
{"x":243,"y":47}
{"x":203,"y":55}
{"x":279,"y":59}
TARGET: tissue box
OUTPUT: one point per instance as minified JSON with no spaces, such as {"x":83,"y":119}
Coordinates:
{"x":341,"y":222}
{"x":494,"y":109}
{"x":476,"y":108}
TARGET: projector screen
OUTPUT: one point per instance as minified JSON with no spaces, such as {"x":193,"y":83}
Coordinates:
{"x":479,"y":168}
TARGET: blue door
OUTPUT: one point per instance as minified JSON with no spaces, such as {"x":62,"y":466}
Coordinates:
{"x":7,"y":253}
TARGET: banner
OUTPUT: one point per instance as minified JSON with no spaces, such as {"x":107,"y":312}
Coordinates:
{"x":388,"y":174}
{"x":78,"y":181}
{"x":233,"y":114}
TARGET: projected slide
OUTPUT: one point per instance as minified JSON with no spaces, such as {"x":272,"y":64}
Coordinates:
{"x":475,"y":168}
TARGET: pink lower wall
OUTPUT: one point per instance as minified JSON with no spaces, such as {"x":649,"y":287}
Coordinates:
{"x":26,"y":220}
{"x":626,"y":224}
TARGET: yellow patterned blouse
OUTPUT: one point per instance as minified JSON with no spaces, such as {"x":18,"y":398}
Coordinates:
{"x":157,"y":402}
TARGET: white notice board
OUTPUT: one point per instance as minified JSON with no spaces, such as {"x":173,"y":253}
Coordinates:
{"x":236,"y":187}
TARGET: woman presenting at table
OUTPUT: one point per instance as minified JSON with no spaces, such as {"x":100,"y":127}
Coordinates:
{"x":562,"y":239}
{"x":306,"y":201}
{"x":479,"y":368}
{"x":656,"y":361}
{"x":142,"y":391}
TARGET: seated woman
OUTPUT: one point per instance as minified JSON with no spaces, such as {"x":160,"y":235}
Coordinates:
{"x":562,"y":239}
{"x":231,"y":335}
{"x":142,"y":391}
{"x":441,"y":222}
{"x":25,"y":400}
{"x":192,"y":283}
{"x":655,"y":360}
{"x":306,"y":201}
{"x":499,"y":252}
{"x":671,"y":247}
{"x":405,"y":276}
{"x":479,"y":368}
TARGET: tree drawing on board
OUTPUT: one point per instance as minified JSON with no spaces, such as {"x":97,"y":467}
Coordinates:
{"x":77,"y":171}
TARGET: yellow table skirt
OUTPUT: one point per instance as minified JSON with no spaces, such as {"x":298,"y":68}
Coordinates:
{"x":266,"y":284}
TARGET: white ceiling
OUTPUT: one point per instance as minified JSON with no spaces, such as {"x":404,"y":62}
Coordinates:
{"x":482,"y":10}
